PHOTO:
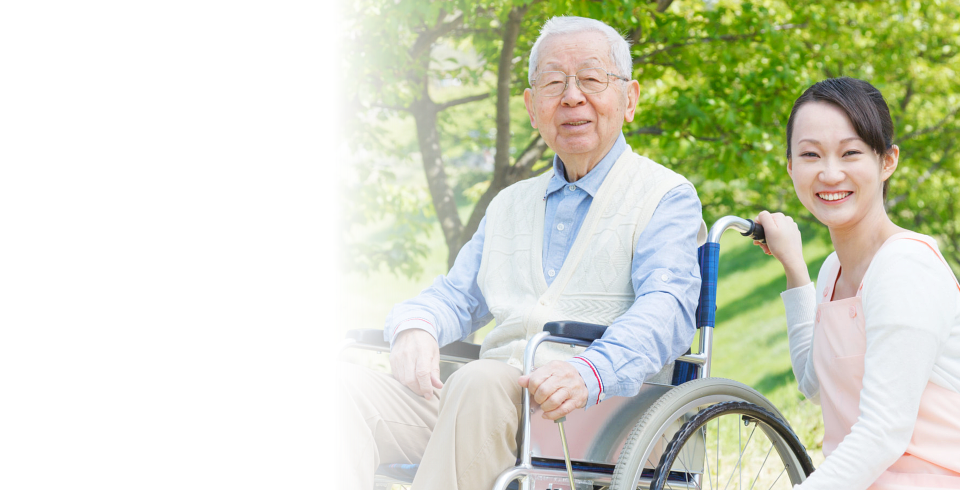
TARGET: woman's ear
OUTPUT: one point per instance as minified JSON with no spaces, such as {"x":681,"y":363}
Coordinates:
{"x":889,"y":162}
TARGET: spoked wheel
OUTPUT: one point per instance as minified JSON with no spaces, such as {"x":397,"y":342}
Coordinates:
{"x":733,"y":445}
{"x":649,"y":438}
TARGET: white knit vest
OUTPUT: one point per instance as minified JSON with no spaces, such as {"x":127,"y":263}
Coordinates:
{"x":594,"y":284}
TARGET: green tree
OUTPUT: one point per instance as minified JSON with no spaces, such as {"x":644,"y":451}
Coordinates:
{"x":717,"y":82}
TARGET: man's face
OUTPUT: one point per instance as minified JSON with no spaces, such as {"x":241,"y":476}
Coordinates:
{"x":580,"y":127}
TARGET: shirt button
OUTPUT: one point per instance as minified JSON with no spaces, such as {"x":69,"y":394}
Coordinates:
{"x":543,"y":302}
{"x":571,"y":187}
{"x":551,"y":272}
{"x":560,"y":227}
{"x":853,"y":312}
{"x":602,"y":396}
{"x":664,"y":278}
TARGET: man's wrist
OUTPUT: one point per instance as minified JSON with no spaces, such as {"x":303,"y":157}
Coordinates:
{"x":590,"y":376}
{"x":418,"y":324}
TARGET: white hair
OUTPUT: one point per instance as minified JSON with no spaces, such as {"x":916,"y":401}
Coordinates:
{"x":619,"y":47}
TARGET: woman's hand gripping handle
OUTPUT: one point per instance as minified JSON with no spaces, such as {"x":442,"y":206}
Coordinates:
{"x":783,"y":241}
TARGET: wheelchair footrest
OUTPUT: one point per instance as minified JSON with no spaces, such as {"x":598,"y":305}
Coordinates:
{"x":404,"y":473}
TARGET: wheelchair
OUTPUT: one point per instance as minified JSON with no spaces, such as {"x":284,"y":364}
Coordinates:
{"x":684,"y":429}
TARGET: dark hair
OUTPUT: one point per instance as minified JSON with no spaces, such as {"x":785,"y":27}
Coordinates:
{"x":863,"y":105}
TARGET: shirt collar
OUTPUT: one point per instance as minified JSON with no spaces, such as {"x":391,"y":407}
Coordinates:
{"x":590,"y":182}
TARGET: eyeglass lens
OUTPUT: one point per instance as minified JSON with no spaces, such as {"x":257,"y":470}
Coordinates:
{"x":589,"y":80}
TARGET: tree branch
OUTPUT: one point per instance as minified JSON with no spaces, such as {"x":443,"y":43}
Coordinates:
{"x":635,"y":35}
{"x":529,"y":157}
{"x":705,"y":138}
{"x":426,"y":38}
{"x":391,"y":107}
{"x":501,"y":159}
{"x":461,"y":101}
{"x":347,"y":112}
{"x":710,"y":39}
{"x":511,"y":32}
{"x":654,"y":130}
{"x":940,"y":124}
{"x":907,"y":96}
{"x":920,"y":180}
{"x":542,"y":170}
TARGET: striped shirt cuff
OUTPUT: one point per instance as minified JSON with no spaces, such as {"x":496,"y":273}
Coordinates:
{"x":409,"y":323}
{"x":591,"y":377}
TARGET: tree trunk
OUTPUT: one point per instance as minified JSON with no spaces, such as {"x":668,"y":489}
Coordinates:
{"x":522,"y":169}
{"x":503,"y":174}
{"x":425,"y":114}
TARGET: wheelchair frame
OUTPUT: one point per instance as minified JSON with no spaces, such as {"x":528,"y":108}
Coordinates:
{"x":670,"y":406}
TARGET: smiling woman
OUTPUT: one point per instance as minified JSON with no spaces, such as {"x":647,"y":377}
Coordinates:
{"x":877,"y":341}
{"x":838,"y":175}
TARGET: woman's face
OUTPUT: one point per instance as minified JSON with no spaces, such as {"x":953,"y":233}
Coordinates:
{"x":837,"y":176}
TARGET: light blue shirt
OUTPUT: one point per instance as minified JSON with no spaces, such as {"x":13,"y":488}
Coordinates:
{"x":655,"y":330}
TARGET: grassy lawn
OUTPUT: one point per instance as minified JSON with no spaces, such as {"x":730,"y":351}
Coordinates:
{"x":750,"y":339}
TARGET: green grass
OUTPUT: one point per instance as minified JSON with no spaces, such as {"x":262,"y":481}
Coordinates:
{"x":750,"y":339}
{"x":367,"y":299}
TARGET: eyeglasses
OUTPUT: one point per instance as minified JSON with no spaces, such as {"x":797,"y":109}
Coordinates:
{"x":589,"y":81}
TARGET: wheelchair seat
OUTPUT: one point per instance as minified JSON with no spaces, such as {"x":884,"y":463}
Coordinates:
{"x":596,"y":437}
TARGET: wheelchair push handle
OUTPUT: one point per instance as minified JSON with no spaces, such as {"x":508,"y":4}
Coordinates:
{"x":755,"y":232}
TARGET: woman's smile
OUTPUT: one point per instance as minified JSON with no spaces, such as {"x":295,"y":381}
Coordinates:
{"x":834,"y":197}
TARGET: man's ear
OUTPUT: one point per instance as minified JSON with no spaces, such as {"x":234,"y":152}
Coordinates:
{"x":528,"y":101}
{"x":889,"y":163}
{"x":632,"y":96}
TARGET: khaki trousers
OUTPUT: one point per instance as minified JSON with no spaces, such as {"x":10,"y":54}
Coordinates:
{"x":462,"y":442}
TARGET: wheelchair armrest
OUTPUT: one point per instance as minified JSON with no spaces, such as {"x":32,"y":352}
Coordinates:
{"x":369,"y":336}
{"x":456,"y":351}
{"x":460,"y":350}
{"x":587,"y":332}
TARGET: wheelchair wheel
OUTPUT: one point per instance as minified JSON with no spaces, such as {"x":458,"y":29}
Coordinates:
{"x":721,"y":446}
{"x":650,"y":437}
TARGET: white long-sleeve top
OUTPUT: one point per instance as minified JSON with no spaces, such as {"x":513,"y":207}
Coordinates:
{"x":911,"y":307}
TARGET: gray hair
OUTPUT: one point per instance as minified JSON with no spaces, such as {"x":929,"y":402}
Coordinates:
{"x":619,"y":47}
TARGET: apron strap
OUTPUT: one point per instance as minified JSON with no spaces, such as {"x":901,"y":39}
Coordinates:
{"x":944,"y":262}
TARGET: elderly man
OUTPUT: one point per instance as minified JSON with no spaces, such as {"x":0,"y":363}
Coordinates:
{"x":606,"y":237}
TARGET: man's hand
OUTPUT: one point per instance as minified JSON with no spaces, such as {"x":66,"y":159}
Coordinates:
{"x":415,"y":361}
{"x":557,"y":387}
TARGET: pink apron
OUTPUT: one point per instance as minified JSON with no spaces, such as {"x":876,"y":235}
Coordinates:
{"x":932,"y":459}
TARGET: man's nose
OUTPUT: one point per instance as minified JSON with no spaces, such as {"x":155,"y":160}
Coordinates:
{"x":572,"y":96}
